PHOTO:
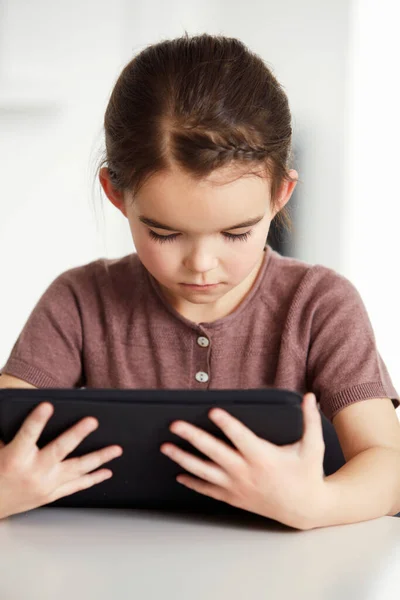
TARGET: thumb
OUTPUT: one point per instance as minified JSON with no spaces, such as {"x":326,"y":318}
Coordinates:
{"x":313,"y":439}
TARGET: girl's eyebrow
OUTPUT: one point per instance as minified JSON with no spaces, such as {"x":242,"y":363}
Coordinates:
{"x":153,"y":223}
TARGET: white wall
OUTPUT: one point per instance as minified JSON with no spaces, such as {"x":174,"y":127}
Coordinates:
{"x":372,"y":201}
{"x":49,"y":135}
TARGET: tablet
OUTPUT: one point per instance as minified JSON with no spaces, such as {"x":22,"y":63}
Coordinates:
{"x":138,"y":420}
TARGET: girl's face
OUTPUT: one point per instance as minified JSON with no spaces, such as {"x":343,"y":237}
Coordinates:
{"x":208,"y":233}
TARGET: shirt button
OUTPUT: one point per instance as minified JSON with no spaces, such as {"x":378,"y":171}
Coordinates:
{"x":203,"y":341}
{"x":201,"y":376}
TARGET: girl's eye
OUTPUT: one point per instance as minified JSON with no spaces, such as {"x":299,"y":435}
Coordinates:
{"x":239,"y":236}
{"x":162,"y":238}
{"x":170,"y":238}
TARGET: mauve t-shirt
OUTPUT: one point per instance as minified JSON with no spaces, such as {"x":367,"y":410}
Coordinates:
{"x":107,"y":324}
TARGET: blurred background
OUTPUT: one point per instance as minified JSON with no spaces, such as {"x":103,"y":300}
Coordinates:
{"x":337,"y":62}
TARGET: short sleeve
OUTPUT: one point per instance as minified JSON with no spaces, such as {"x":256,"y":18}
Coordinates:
{"x":343,"y":363}
{"x":48,"y":351}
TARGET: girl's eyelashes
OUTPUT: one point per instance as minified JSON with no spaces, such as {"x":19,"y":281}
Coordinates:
{"x":239,"y":236}
{"x":162,"y":238}
{"x":170,"y":238}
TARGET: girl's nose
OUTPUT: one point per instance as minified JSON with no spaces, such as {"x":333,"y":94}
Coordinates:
{"x":200,"y":261}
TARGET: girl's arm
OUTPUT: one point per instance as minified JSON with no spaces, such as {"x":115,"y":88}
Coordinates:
{"x":9,"y":381}
{"x":368,"y":485}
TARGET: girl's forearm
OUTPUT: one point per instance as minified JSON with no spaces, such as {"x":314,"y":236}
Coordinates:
{"x":366,"y":487}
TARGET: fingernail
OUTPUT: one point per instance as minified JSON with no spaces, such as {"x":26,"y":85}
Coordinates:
{"x":177,"y":428}
{"x":216,"y":414}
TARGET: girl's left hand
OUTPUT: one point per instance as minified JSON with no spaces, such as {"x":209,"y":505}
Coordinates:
{"x":284,"y":483}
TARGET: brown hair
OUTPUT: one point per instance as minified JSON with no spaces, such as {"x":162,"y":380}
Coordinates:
{"x":201,"y":102}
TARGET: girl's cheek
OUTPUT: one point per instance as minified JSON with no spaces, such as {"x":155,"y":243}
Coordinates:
{"x":156,"y":257}
{"x":144,"y":245}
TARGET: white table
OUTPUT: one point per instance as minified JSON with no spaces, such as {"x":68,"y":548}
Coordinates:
{"x":75,"y":554}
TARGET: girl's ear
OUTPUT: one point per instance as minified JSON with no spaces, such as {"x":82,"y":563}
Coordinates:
{"x":116,"y":197}
{"x":286,"y":190}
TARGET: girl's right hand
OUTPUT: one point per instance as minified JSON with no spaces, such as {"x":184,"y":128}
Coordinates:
{"x":30,"y":477}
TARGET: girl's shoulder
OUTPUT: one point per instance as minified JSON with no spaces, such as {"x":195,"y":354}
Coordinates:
{"x":112,"y":275}
{"x":104,"y":268}
{"x":305,"y":282}
{"x":295,"y":269}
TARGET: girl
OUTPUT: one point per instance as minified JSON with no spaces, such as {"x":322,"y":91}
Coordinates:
{"x":198,"y":142}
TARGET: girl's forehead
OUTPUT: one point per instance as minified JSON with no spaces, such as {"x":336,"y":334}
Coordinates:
{"x":172,"y":188}
{"x":186,"y":204}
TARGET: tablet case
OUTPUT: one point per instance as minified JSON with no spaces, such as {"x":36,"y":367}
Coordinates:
{"x":138,"y":420}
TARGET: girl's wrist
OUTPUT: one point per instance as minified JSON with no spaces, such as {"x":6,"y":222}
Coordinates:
{"x":318,"y":508}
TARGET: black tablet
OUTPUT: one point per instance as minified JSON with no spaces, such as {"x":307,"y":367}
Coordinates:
{"x":138,"y":420}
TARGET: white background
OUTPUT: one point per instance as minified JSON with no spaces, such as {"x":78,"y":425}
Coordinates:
{"x":338,"y":64}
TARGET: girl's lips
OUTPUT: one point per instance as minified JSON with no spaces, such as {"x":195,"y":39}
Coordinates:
{"x":193,"y":285}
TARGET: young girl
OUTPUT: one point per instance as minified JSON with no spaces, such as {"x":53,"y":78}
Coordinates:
{"x":198,"y":140}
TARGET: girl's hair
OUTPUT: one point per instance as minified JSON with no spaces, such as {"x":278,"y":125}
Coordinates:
{"x":200,"y":103}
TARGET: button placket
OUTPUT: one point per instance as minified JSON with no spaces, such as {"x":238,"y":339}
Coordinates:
{"x":202,"y":376}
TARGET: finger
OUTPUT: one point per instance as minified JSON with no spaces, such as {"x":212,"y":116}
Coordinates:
{"x":81,"y":483}
{"x":32,"y":428}
{"x":241,"y":436}
{"x":313,"y":439}
{"x":218,"y":451}
{"x":81,"y":465}
{"x":207,"y":471}
{"x":64,"y":444}
{"x":202,"y":487}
